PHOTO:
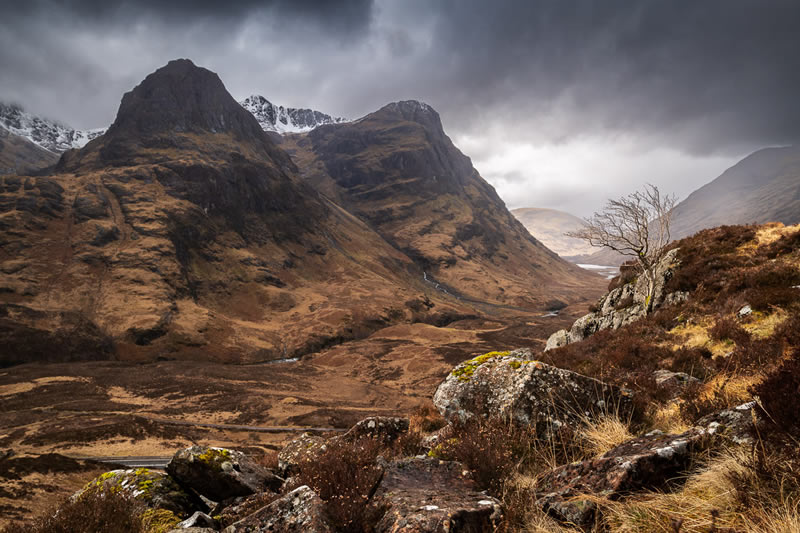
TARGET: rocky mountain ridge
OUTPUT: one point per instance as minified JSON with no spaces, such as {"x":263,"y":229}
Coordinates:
{"x":48,"y":134}
{"x":280,"y":119}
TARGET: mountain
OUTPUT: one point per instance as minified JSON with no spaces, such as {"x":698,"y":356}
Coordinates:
{"x":186,"y":232}
{"x":549,"y":226}
{"x":47,"y":134}
{"x":18,"y":154}
{"x":281,"y":119}
{"x":397,"y":169}
{"x":762,"y":187}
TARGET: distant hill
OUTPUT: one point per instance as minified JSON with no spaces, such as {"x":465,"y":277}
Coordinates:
{"x":549,"y":226}
{"x":762,"y":187}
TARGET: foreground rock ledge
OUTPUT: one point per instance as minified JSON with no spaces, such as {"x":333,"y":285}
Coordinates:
{"x":300,"y":511}
{"x":512,"y":384}
{"x":425,"y":495}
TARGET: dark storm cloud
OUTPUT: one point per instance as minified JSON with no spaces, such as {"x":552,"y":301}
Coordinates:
{"x":708,"y":72}
{"x":699,"y":76}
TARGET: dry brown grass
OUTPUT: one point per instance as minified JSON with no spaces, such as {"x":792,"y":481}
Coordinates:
{"x":603,"y":434}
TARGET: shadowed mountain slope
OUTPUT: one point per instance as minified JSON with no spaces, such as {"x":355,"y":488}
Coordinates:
{"x":18,"y":154}
{"x":398,"y":170}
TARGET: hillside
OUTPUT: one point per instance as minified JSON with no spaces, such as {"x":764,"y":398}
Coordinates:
{"x":397,"y":170}
{"x":18,"y":155}
{"x":682,"y":420}
{"x":549,"y":227}
{"x":762,"y":187}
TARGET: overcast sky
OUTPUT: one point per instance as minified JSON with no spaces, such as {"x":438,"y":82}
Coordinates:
{"x":559,"y":103}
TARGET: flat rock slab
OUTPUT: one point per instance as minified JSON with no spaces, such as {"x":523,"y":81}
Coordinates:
{"x":530,"y":392}
{"x":220,"y":474}
{"x":423,"y":495}
{"x":644,"y":462}
{"x":300,"y":511}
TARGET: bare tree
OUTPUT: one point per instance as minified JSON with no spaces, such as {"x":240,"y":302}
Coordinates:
{"x":635,"y":225}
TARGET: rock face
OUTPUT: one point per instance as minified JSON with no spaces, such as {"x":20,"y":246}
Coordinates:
{"x":622,"y":305}
{"x":529,"y":391}
{"x":219,"y":474}
{"x":424,"y":495}
{"x":645,"y":462}
{"x":300,"y":511}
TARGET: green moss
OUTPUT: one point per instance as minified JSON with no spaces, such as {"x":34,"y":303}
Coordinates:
{"x":465,"y":370}
{"x":159,"y":520}
{"x":214,"y":457}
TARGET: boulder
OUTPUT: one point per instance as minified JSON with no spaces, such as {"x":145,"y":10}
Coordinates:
{"x":300,"y":511}
{"x":383,"y":428}
{"x":230,"y":511}
{"x":511,"y":384}
{"x":422,"y":495}
{"x":156,"y":490}
{"x":644,"y":462}
{"x":219,"y":473}
{"x":303,"y":448}
{"x":557,"y":340}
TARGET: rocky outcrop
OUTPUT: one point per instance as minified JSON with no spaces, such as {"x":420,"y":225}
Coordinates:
{"x":736,"y":425}
{"x":220,"y":474}
{"x":645,"y":462}
{"x":623,"y":305}
{"x":512,"y":384}
{"x":300,"y":511}
{"x":427,"y":495}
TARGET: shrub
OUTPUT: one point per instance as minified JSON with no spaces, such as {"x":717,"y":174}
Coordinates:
{"x":779,"y":395}
{"x":344,"y":476}
{"x":628,"y":272}
{"x":729,"y":329}
{"x":92,"y":512}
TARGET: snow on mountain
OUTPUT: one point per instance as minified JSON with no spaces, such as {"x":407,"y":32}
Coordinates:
{"x":286,"y":119}
{"x":48,"y":134}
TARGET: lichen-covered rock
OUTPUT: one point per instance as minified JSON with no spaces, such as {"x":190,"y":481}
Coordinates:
{"x":156,"y":490}
{"x":511,"y":384}
{"x":303,"y":448}
{"x":622,"y":305}
{"x":644,"y":462}
{"x":735,"y":425}
{"x":678,"y":379}
{"x":383,"y":428}
{"x":557,"y":340}
{"x":219,"y":473}
{"x":300,"y":511}
{"x":425,"y":495}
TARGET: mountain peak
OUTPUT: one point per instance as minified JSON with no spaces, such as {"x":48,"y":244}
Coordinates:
{"x":413,"y":111}
{"x":281,"y":119}
{"x":182,"y":97}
